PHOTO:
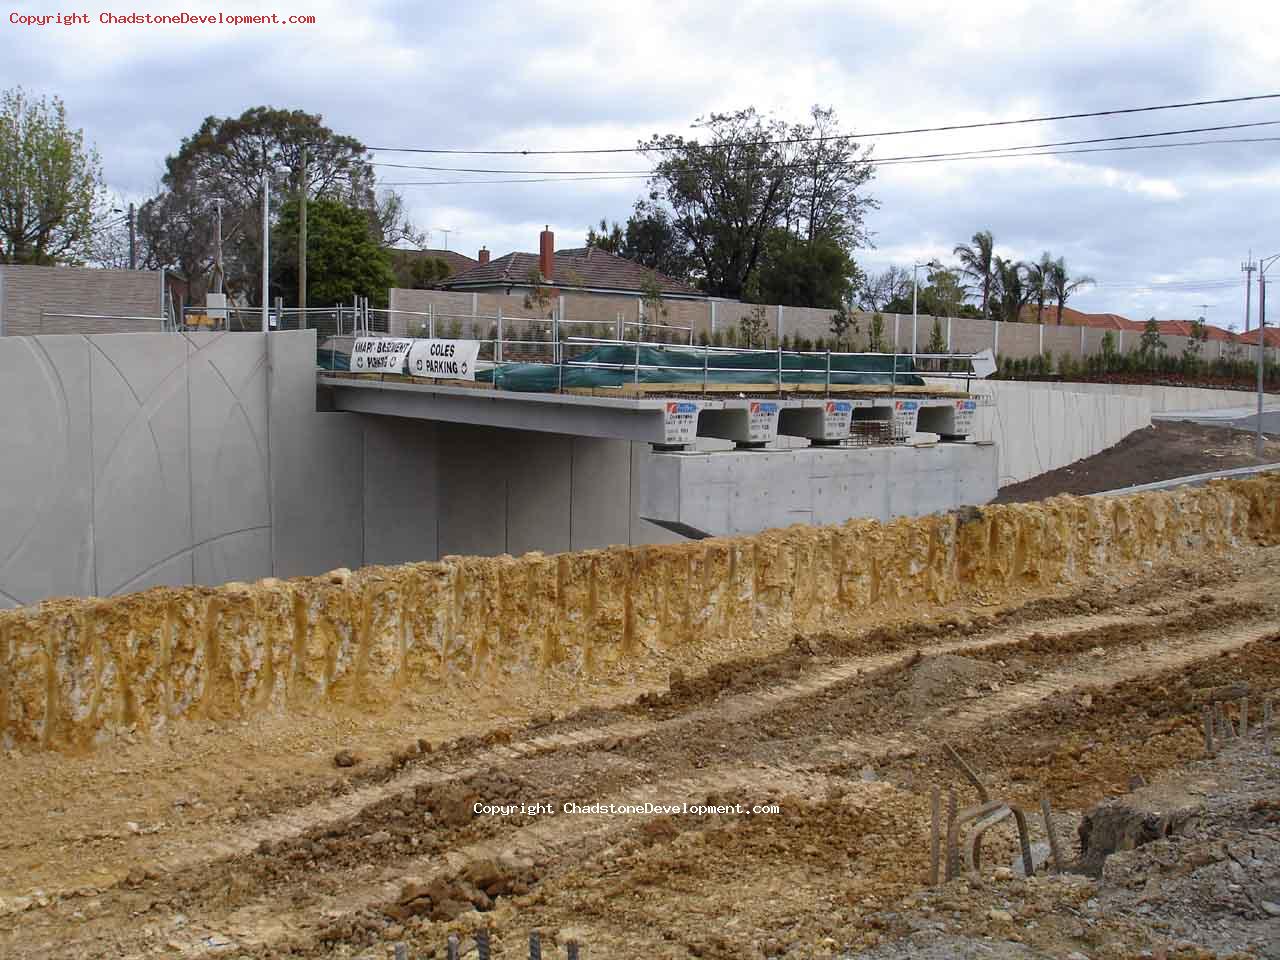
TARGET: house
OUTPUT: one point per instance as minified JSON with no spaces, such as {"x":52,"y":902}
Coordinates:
{"x":585,"y":270}
{"x":408,"y":263}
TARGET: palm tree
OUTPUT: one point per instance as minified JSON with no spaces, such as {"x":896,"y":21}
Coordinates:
{"x":1062,"y":286}
{"x":1012,"y":289}
{"x":975,"y":262}
{"x":1037,"y":280}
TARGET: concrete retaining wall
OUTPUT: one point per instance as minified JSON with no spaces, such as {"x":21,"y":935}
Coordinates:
{"x":1037,"y":430}
{"x":72,"y":669}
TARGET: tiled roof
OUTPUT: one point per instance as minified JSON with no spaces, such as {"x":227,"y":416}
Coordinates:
{"x":458,"y":262}
{"x":582,"y":267}
{"x":1271,"y":336}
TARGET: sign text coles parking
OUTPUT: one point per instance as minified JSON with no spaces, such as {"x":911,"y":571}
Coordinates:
{"x":444,"y":359}
{"x":380,"y":354}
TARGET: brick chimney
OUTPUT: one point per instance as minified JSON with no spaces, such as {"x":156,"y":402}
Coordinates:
{"x":547,"y":254}
{"x":484,"y":255}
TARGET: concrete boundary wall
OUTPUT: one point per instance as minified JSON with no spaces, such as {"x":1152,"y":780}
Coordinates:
{"x":72,"y":670}
{"x":1162,"y":399}
{"x":902,"y":331}
{"x":1038,"y":430}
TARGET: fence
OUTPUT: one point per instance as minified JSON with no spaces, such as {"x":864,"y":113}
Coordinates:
{"x":715,"y":321}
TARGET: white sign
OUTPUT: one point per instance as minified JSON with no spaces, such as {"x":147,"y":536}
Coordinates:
{"x":680,"y":422}
{"x":762,"y":421}
{"x":444,"y":359}
{"x":380,"y":354}
{"x":905,"y":415}
{"x":965,"y":412}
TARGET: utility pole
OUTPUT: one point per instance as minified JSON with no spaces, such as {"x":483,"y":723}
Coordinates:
{"x":1263,"y":264}
{"x":217,"y":277}
{"x":302,"y":243}
{"x":133,"y":239}
{"x":446,"y":236}
{"x":1248,"y":267}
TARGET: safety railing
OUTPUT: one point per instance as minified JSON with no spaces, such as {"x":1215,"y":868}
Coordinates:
{"x":495,"y":353}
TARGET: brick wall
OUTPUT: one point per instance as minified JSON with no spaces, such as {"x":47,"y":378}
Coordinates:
{"x":30,"y":295}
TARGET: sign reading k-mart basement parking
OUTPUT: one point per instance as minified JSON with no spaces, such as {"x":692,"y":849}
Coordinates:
{"x":440,"y":359}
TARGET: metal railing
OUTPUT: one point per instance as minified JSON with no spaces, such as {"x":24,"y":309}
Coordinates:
{"x":496,"y":352}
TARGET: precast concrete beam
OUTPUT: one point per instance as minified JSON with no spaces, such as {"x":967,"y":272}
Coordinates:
{"x":747,"y":422}
{"x":651,"y":420}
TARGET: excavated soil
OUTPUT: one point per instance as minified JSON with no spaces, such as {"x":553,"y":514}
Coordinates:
{"x":766,"y":805}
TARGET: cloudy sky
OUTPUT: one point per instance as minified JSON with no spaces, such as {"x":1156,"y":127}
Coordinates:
{"x":564,"y":75}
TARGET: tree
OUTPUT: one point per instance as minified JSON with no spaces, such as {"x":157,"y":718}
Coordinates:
{"x":539,"y":296}
{"x":881,"y":289}
{"x":1195,"y":343}
{"x":805,"y":273}
{"x":1062,"y":286}
{"x":844,"y":325}
{"x":875,"y":335}
{"x":728,"y":192}
{"x":937,"y":339}
{"x":655,"y":310}
{"x":226,"y":158}
{"x":976,"y":262}
{"x":1010,"y":287}
{"x":652,"y":241}
{"x":414,"y":271}
{"x":753,"y":329}
{"x":1038,"y":280}
{"x":1151,"y":344}
{"x":51,"y":186}
{"x":608,"y":238}
{"x":345,"y":256}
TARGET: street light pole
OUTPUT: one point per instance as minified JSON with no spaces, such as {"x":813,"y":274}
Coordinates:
{"x":1262,"y":341}
{"x":266,"y":248}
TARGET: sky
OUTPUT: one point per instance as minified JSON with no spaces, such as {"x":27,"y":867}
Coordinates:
{"x":1164,"y":232}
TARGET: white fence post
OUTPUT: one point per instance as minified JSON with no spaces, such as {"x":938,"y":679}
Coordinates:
{"x":948,"y":334}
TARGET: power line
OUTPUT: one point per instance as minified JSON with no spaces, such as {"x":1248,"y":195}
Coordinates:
{"x":845,"y":163}
{"x":654,"y":148}
{"x":891,"y":161}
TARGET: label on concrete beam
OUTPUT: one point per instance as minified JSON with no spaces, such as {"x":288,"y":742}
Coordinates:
{"x":965,"y":412}
{"x":380,"y":354}
{"x":680,"y":422}
{"x":762,"y":421}
{"x":836,"y":417}
{"x":444,"y":359}
{"x":905,"y":415}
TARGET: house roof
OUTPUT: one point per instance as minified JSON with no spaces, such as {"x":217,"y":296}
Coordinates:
{"x":1076,"y":318}
{"x":458,"y":262}
{"x":581,"y":267}
{"x":1271,"y":336}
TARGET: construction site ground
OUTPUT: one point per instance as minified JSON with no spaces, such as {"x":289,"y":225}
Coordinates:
{"x":336,"y":834}
{"x":1165,"y":450}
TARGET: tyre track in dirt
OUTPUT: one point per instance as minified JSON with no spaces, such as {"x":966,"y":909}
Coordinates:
{"x":698,"y":720}
{"x":260,"y":923}
{"x":736,"y":708}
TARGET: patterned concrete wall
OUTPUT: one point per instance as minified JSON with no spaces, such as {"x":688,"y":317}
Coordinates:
{"x":143,"y":461}
{"x":30,"y":296}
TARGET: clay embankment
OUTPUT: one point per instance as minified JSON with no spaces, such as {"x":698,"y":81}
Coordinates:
{"x":70,"y":668}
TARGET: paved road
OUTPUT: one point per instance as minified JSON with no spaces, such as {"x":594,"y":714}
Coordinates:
{"x":1270,"y":422}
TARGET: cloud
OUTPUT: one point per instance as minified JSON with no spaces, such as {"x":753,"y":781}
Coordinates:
{"x":567,"y":74}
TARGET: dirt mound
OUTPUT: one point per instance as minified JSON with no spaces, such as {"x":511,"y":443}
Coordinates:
{"x":946,"y":677}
